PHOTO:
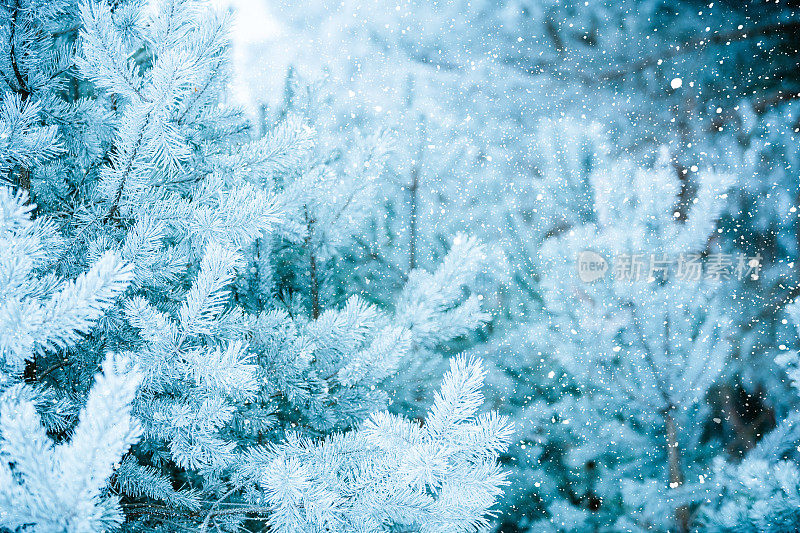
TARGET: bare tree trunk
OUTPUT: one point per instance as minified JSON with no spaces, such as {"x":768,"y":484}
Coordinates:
{"x":675,"y":470}
{"x":24,"y":183}
{"x":22,"y":86}
{"x":314,"y":286}
{"x":412,"y":223}
{"x":24,"y":175}
{"x":413,"y":193}
{"x":312,"y":267}
{"x":24,"y":179}
{"x":413,"y":187}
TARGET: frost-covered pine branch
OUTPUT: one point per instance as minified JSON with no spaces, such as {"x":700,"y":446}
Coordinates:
{"x":63,"y":486}
{"x":40,"y":312}
{"x":762,"y":492}
{"x":390,"y":472}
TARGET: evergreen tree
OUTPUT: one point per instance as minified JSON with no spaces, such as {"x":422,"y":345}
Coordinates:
{"x":646,"y":343}
{"x":167,"y":233}
{"x":544,"y":97}
{"x":760,"y":493}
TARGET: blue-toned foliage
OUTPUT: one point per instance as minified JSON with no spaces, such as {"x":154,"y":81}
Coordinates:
{"x":146,"y":224}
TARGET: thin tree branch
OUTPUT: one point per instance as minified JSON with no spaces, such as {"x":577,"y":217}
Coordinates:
{"x":675,"y":469}
{"x":790,"y":28}
{"x":760,"y":106}
{"x":375,"y":256}
{"x":23,"y":87}
{"x":312,"y":266}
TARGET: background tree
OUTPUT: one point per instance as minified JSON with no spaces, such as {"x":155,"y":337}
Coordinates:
{"x":547,"y":95}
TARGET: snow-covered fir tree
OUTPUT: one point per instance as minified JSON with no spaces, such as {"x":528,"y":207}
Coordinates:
{"x":564,"y":88}
{"x":761,"y":492}
{"x":146,"y":225}
{"x":644,"y":345}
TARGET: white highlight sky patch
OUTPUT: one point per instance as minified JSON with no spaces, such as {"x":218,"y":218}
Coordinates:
{"x":253,"y":25}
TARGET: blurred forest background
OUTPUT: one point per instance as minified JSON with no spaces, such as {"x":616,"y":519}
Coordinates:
{"x":546,"y":127}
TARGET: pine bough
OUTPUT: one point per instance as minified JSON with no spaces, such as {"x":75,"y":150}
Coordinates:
{"x":146,"y":232}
